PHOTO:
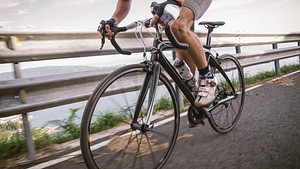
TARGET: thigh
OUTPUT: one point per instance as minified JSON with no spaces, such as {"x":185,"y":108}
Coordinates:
{"x":197,"y":6}
{"x":186,"y":18}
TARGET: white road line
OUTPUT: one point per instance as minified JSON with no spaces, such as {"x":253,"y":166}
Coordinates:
{"x":76,"y":153}
{"x":56,"y":161}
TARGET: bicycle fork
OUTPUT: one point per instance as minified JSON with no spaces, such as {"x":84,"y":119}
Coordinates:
{"x":149,"y":87}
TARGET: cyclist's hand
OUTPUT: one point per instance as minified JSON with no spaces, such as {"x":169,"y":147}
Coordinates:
{"x":105,"y":27}
{"x":167,"y":12}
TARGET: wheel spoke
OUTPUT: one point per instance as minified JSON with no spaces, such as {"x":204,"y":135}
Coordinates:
{"x":150,"y":148}
{"x":126,"y":147}
{"x":225,"y":116}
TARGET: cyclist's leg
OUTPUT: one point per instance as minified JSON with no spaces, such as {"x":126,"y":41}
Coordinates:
{"x":192,"y":10}
{"x":195,"y":53}
{"x":181,"y":29}
{"x":183,"y":54}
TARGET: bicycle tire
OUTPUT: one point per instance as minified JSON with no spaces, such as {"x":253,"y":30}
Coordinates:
{"x":224,"y":117}
{"x":117,"y":150}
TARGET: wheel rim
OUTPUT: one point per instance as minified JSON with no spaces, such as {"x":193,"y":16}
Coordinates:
{"x":225,"y":116}
{"x":122,"y":147}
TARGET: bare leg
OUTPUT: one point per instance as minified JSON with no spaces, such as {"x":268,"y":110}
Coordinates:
{"x":183,"y":54}
{"x":194,"y":55}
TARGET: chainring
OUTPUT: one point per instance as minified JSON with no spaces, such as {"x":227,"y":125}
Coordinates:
{"x":195,"y":117}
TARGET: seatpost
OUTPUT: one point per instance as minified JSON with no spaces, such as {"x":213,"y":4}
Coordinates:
{"x":208,"y":38}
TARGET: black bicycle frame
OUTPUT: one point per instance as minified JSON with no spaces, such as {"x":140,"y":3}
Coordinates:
{"x":158,"y":60}
{"x":213,"y":62}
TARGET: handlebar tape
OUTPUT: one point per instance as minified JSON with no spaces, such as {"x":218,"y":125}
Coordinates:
{"x":118,"y":48}
{"x":115,"y":44}
{"x":174,"y":41}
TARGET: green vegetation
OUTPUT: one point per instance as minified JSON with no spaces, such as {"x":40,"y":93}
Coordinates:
{"x":67,"y":130}
{"x":14,"y":145}
{"x":6,"y":128}
{"x":107,"y":121}
{"x":259,"y":77}
{"x":163,"y":104}
{"x":225,"y":85}
{"x":12,"y":139}
{"x":11,"y":143}
{"x":266,"y":75}
{"x":289,"y":68}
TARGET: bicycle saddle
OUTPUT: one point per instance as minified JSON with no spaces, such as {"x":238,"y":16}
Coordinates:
{"x":212,"y":24}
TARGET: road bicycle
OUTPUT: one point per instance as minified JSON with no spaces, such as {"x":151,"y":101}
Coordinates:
{"x":134,"y":94}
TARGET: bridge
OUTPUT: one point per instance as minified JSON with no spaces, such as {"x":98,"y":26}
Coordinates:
{"x":24,"y":95}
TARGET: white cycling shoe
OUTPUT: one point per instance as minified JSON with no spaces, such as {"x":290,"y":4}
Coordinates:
{"x":206,"y":90}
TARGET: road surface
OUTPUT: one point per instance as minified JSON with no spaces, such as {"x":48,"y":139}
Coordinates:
{"x":267,"y":135}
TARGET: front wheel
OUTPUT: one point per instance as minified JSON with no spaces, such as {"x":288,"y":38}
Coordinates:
{"x":108,"y":139}
{"x":226,"y":110}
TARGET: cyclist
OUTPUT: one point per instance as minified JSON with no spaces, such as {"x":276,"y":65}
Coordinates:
{"x":194,"y":56}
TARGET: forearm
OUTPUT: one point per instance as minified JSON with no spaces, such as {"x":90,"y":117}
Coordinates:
{"x":123,"y":8}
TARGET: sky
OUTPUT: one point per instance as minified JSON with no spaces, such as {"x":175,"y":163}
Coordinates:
{"x":241,"y":16}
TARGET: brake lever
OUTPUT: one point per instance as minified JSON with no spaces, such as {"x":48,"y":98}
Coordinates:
{"x":115,"y":30}
{"x":102,"y":41}
{"x":102,"y":30}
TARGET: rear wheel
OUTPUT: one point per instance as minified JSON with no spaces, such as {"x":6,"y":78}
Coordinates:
{"x":112,"y":105}
{"x":226,"y":110}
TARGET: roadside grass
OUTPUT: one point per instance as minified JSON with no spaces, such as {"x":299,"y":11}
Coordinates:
{"x":107,"y":121}
{"x":12,"y":138}
{"x":266,"y":75}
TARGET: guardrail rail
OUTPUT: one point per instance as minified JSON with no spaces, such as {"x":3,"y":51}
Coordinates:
{"x":23,"y":95}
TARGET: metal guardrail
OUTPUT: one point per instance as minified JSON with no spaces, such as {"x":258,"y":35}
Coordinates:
{"x":219,"y":40}
{"x":51,"y":91}
{"x":23,"y":95}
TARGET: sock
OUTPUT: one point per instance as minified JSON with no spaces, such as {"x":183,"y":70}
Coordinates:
{"x":204,"y":71}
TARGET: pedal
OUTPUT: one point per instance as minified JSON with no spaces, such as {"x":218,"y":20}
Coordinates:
{"x":191,"y":125}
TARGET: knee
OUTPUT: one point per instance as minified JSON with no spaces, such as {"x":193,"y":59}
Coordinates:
{"x":180,"y":30}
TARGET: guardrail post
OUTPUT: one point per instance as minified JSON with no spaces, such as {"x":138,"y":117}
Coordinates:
{"x":12,"y":42}
{"x":238,"y":49}
{"x":276,"y":62}
{"x":178,"y":91}
{"x":23,"y":97}
{"x":299,"y":55}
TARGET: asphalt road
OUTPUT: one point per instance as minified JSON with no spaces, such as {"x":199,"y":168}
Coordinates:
{"x":266,"y":137}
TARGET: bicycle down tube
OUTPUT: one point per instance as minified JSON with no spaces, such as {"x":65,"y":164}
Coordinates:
{"x":158,"y":59}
